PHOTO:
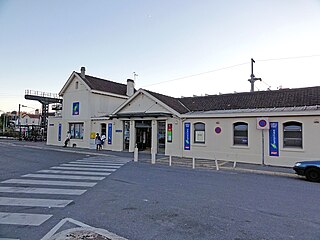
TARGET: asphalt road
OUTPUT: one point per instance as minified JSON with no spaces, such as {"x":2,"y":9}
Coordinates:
{"x":144,"y":201}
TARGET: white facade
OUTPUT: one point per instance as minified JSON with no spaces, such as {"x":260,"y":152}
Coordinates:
{"x":148,"y":123}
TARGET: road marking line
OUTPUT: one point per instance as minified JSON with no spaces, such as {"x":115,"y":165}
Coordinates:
{"x":102,"y":161}
{"x":9,"y":239}
{"x":23,"y":218}
{"x":33,"y":202}
{"x":97,"y":164}
{"x":42,"y":190}
{"x":58,"y":183}
{"x":85,"y":169}
{"x":82,"y":227}
{"x":76,"y":172}
{"x":93,"y":166}
{"x":64,"y":177}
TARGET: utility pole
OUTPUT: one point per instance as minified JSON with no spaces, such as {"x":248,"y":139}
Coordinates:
{"x":252,"y":77}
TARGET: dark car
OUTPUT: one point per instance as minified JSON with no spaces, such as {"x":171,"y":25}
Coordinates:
{"x":309,"y":169}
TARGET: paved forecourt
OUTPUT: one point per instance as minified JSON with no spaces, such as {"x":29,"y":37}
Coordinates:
{"x":39,"y":191}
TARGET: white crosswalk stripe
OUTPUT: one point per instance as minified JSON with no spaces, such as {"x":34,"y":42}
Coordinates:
{"x":76,"y":172}
{"x":103,"y":161}
{"x":23,"y":218}
{"x":57,"y":191}
{"x":85,"y":172}
{"x":49,"y":182}
{"x":86,"y":169}
{"x":91,"y":166}
{"x":33,"y":202}
{"x":64,"y":177}
{"x":97,"y":164}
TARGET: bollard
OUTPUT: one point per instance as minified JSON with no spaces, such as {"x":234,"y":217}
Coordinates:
{"x":217,"y":165}
{"x":136,"y":151}
{"x":170,"y":160}
{"x":234,"y":164}
{"x":193,"y":163}
{"x":153,"y":158}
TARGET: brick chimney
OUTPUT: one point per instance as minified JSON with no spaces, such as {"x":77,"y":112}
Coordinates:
{"x":83,"y":72}
{"x":130,"y":87}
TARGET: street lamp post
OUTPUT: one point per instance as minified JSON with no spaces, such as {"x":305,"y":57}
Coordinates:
{"x":19,"y":120}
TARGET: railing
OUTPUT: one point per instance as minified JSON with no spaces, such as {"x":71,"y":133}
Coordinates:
{"x":42,"y":94}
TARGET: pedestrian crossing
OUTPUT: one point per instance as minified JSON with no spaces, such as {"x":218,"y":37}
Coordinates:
{"x":66,"y":180}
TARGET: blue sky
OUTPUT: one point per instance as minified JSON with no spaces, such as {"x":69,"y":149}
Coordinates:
{"x":42,"y":42}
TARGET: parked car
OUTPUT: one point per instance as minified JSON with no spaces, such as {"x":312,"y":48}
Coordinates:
{"x":309,"y":169}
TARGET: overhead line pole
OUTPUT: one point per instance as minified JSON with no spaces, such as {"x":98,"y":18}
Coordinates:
{"x":252,"y":77}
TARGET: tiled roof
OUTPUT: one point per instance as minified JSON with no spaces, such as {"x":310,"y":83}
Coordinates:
{"x":103,"y":85}
{"x":172,"y":102}
{"x":247,"y":100}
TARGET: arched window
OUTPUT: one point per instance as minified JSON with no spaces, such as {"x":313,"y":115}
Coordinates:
{"x":292,"y":134}
{"x":199,"y":132}
{"x":240,"y":133}
{"x":77,"y":85}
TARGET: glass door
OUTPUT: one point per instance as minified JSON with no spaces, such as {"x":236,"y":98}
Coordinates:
{"x":161,"y":137}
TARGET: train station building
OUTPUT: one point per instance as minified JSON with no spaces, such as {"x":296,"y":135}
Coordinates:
{"x":277,"y":127}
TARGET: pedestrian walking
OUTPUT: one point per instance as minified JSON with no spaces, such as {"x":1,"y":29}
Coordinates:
{"x":68,"y":137}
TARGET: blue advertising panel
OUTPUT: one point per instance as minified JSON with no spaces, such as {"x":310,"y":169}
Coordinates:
{"x":109,"y":133}
{"x":187,"y":136}
{"x":75,"y":108}
{"x":273,"y":139}
{"x":59,"y":132}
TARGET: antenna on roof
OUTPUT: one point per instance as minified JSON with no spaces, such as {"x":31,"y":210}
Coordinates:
{"x":252,"y":77}
{"x":134,"y":76}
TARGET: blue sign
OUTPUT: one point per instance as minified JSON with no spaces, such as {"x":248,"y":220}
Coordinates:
{"x":59,"y":132}
{"x":187,"y":136}
{"x":109,"y":133}
{"x":75,"y":108}
{"x":273,"y":139}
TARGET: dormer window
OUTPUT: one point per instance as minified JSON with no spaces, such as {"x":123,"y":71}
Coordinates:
{"x":77,"y":84}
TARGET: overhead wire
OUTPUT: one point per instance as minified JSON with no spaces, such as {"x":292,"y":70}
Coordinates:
{"x":232,"y":66}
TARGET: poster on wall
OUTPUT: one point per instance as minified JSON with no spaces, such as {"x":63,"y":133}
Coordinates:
{"x":169,"y":133}
{"x":187,"y":136}
{"x":273,"y":139}
{"x":59,"y":132}
{"x":75,"y":108}
{"x":109,"y":133}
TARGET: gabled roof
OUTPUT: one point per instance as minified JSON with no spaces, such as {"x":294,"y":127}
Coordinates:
{"x":104,"y":85}
{"x":296,"y":97}
{"x":172,"y":102}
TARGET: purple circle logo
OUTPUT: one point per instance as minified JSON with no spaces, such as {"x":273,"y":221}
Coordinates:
{"x":262,"y":123}
{"x":217,"y":130}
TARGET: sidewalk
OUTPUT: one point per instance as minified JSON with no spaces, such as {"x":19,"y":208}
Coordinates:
{"x":164,"y":160}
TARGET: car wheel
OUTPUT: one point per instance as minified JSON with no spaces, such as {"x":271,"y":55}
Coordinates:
{"x":313,"y":174}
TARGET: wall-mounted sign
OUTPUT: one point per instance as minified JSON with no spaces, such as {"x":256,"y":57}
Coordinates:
{"x":109,"y":133}
{"x":118,"y":130}
{"x":187,"y":136}
{"x":59,"y":132}
{"x":218,"y":130}
{"x":169,"y":132}
{"x":75,"y":108}
{"x":273,"y":139}
{"x":92,"y":135}
{"x":262,"y":123}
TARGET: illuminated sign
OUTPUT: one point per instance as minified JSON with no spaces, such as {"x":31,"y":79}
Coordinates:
{"x":187,"y":136}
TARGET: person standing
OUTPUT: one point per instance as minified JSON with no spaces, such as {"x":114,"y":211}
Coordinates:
{"x":98,"y":142}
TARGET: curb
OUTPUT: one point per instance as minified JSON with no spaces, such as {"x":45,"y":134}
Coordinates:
{"x":272,"y":173}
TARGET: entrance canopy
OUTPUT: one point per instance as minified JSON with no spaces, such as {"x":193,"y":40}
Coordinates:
{"x":141,"y":115}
